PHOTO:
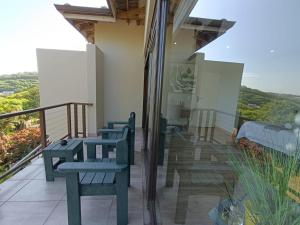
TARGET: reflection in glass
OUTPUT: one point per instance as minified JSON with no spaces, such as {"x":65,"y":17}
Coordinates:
{"x":230,"y":97}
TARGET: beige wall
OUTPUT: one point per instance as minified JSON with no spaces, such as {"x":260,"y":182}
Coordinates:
{"x":61,"y":75}
{"x":95,"y":88}
{"x":62,"y":79}
{"x":217,"y":87}
{"x":122,"y":47}
{"x":71,"y":76}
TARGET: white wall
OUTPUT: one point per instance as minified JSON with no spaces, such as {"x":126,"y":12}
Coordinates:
{"x":178,"y":49}
{"x":71,"y":76}
{"x":122,"y":47}
{"x":218,"y":87}
{"x":62,"y":76}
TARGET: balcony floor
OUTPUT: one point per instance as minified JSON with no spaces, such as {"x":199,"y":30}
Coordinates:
{"x":27,"y":199}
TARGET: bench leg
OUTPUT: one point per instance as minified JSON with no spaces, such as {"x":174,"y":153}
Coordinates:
{"x":80,"y":157}
{"x":105,"y":151}
{"x":132,"y":143}
{"x":182,"y":203}
{"x":48,"y":168}
{"x":105,"y":148}
{"x":69,"y":157}
{"x":171,"y":168}
{"x":73,"y":199}
{"x":91,"y":151}
{"x":122,"y":198}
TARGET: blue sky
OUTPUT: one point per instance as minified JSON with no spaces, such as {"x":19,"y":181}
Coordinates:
{"x":265,"y":37}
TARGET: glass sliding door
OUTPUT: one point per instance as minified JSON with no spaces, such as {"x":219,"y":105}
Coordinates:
{"x":230,"y":115}
{"x":155,"y":65}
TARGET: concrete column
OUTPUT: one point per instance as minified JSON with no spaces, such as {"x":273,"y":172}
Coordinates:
{"x":95,"y":87}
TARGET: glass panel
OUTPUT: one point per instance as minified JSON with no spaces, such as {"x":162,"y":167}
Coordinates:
{"x":230,"y":115}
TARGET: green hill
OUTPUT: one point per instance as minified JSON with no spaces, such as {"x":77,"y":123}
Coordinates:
{"x":26,"y":92}
{"x":267,"y":106}
{"x":18,"y":82}
{"x":26,"y":96}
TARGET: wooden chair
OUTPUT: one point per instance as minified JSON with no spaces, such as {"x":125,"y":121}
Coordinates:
{"x":108,"y":133}
{"x":101,"y":177}
{"x":197,"y":176}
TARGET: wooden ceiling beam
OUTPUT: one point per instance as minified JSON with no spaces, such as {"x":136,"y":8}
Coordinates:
{"x":112,"y":5}
{"x":204,"y":28}
{"x":138,"y":13}
{"x":73,"y":16}
{"x":86,"y":28}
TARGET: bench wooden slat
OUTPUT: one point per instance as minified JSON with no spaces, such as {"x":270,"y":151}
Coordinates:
{"x":88,"y":178}
{"x":81,"y":176}
{"x":98,"y":179}
{"x":52,"y":146}
{"x":109,"y":178}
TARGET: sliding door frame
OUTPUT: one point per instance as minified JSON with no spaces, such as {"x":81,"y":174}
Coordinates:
{"x":157,"y":43}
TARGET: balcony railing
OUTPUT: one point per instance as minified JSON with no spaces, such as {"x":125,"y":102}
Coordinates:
{"x":24,"y":134}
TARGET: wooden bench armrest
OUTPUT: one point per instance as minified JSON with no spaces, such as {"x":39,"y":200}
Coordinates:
{"x":118,"y":122}
{"x":76,"y":167}
{"x":101,"y":142}
{"x":109,"y":130}
{"x":112,"y":123}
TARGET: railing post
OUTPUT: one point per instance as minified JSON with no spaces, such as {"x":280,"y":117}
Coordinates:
{"x":43,"y":128}
{"x":69,"y":121}
{"x":83,"y":121}
{"x":76,"y":120}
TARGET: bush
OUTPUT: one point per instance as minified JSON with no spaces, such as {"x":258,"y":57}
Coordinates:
{"x":16,"y":145}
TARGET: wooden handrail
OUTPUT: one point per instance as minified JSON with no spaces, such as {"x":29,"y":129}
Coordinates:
{"x":29,"y":111}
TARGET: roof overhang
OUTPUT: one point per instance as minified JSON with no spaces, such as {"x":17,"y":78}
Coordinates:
{"x":206,"y":30}
{"x":85,"y":18}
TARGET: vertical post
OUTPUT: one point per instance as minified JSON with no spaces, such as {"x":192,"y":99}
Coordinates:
{"x":76,"y":120}
{"x":83,"y":121}
{"x":43,"y":128}
{"x":207,"y":124}
{"x":69,"y":121}
{"x":212,"y":133}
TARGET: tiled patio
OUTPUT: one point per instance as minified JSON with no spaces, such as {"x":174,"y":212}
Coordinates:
{"x":27,"y":199}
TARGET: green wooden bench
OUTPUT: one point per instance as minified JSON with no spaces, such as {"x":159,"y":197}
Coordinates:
{"x":100,"y":177}
{"x":162,"y":140}
{"x":108,"y":133}
{"x":91,"y":144}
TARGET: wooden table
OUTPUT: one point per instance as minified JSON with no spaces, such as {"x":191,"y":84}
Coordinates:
{"x":64,"y":153}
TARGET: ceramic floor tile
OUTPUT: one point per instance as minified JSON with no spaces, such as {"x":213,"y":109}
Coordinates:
{"x":28,"y":172}
{"x":93,"y":212}
{"x":28,"y":199}
{"x":40,"y":190}
{"x":10,"y":188}
{"x":38,"y":161}
{"x":25,"y":213}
